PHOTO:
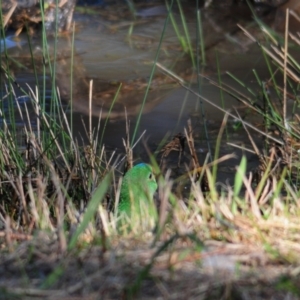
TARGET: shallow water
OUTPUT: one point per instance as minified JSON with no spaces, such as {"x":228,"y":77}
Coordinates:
{"x":108,"y":54}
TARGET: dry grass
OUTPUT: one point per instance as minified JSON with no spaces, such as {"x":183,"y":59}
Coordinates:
{"x":240,"y":258}
{"x":213,"y":246}
{"x":59,"y":237}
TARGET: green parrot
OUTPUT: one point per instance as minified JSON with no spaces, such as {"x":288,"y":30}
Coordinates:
{"x":137,"y":191}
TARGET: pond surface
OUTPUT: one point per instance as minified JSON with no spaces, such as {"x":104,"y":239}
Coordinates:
{"x":111,"y":48}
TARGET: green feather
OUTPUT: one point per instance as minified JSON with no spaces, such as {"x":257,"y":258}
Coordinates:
{"x":137,"y":191}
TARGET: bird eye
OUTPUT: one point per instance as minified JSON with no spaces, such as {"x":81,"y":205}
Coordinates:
{"x":150,"y":176}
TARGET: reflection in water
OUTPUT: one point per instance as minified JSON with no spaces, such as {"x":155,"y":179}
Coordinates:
{"x":130,"y":96}
{"x":8,"y":43}
{"x":113,"y":57}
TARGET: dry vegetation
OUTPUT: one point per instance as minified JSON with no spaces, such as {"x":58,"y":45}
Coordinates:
{"x":59,"y":240}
